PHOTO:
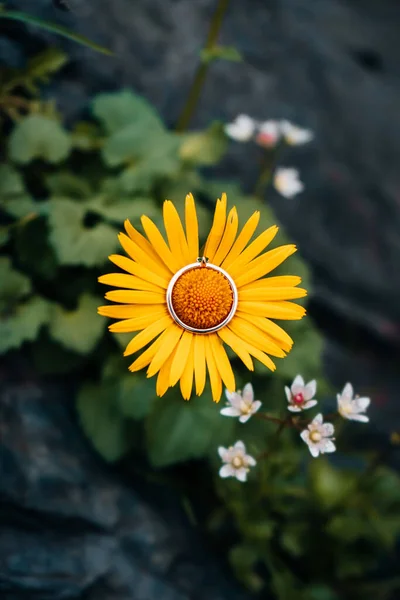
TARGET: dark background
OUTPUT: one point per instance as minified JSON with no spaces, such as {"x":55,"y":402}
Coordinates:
{"x":329,"y":65}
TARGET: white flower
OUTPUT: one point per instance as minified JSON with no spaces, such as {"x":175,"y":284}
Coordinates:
{"x":241,"y":405}
{"x":318,"y":436}
{"x":301,"y":396}
{"x":237,"y":462}
{"x":351,"y":408}
{"x":241,"y":129}
{"x":294,"y":135}
{"x":287,"y":182}
{"x":268,"y":134}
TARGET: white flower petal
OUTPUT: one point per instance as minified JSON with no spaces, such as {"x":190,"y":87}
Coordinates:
{"x":236,"y":400}
{"x":250,"y":460}
{"x":314,"y":449}
{"x":305,"y":436}
{"x":328,"y":429}
{"x":288,"y":394}
{"x":309,"y":404}
{"x":227,"y":471}
{"x":294,"y":408}
{"x":248,"y":393}
{"x":245,"y":418}
{"x":310,"y":390}
{"x":240,"y":446}
{"x":362,"y":403}
{"x":318,"y":419}
{"x":348,"y":391}
{"x":297,"y":386}
{"x":241,"y":129}
{"x":286,"y":181}
{"x":328,"y":446}
{"x":255,"y":406}
{"x":230,"y":412}
{"x":268,"y":133}
{"x":241,"y":474}
{"x":295,"y":135}
{"x":223,"y":452}
{"x":229,"y":395}
{"x":360,"y":418}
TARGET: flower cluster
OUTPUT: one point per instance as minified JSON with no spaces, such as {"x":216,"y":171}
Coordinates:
{"x":318,"y":435}
{"x":268,"y":134}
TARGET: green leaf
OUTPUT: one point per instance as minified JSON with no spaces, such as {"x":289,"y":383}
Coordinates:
{"x":177,"y":430}
{"x":14,"y":285}
{"x":102,"y":422}
{"x":37,"y":136}
{"x":49,"y":358}
{"x":4,"y":236}
{"x":204,"y":147}
{"x":78,"y":330}
{"x":329,"y":485}
{"x":117,"y":209}
{"x":53,"y":28}
{"x":20,"y":318}
{"x":65,"y":183}
{"x":11,"y":182}
{"x":155,"y":152}
{"x":33,"y":249}
{"x":135,"y":396}
{"x":229,"y":53}
{"x":74,"y":243}
{"x":118,"y":110}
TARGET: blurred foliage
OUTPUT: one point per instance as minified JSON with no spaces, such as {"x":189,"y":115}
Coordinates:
{"x":304,"y":529}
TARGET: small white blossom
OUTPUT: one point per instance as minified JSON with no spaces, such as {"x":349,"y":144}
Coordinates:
{"x":294,"y":135}
{"x":287,"y":182}
{"x":241,"y":405}
{"x":237,"y":462}
{"x":268,"y":134}
{"x":318,"y":436}
{"x":352,"y":408}
{"x":241,"y":129}
{"x":300,"y":396}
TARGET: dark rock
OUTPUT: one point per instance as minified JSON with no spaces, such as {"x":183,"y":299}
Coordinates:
{"x":70,"y":528}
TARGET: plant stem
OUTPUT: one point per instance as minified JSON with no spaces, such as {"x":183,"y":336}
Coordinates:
{"x":200,"y":76}
{"x":265,"y":173}
{"x":282,"y":424}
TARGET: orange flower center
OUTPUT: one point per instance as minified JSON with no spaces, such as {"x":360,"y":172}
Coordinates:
{"x":202,"y":297}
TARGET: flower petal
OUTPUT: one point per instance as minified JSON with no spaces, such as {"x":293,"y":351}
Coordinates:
{"x":230,"y":411}
{"x":255,"y":406}
{"x":135,"y":297}
{"x":215,"y":378}
{"x":248,"y":393}
{"x":237,"y":345}
{"x":328,"y":429}
{"x":199,"y":363}
{"x":192,"y":228}
{"x":217,"y":229}
{"x":270,"y":328}
{"x":273,"y":293}
{"x":329,"y":446}
{"x":360,"y":418}
{"x":169,"y":340}
{"x":251,"y":334}
{"x":264,"y":264}
{"x":309,"y":404}
{"x":244,"y":418}
{"x":162,"y":384}
{"x":148,"y":334}
{"x":250,"y":460}
{"x":138,"y":255}
{"x":140,"y":241}
{"x":227,"y":471}
{"x":310,"y":390}
{"x":160,"y":245}
{"x":183,"y":350}
{"x":287,"y":311}
{"x":135,"y":268}
{"x":222,"y":362}
{"x":121,"y":280}
{"x":288,"y":394}
{"x":348,"y":391}
{"x":253,"y":250}
{"x":186,"y":381}
{"x":222,"y":452}
{"x":362,"y":403}
{"x":241,"y":474}
{"x":318,"y":419}
{"x":125,"y":311}
{"x":146,"y":357}
{"x":137,"y":323}
{"x":297,"y":386}
{"x":240,"y":446}
{"x":242,"y":240}
{"x":175,"y":234}
{"x":228,"y":238}
{"x":315,"y":450}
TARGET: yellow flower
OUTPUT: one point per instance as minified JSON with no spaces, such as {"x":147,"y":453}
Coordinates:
{"x":187,"y":304}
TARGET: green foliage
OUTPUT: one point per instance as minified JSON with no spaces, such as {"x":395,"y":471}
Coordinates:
{"x":229,"y":53}
{"x":38,"y":136}
{"x":52,"y":28}
{"x":297,"y":527}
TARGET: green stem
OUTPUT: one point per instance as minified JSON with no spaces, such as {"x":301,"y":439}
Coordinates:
{"x":200,"y":76}
{"x":282,"y":424}
{"x":265,"y":174}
